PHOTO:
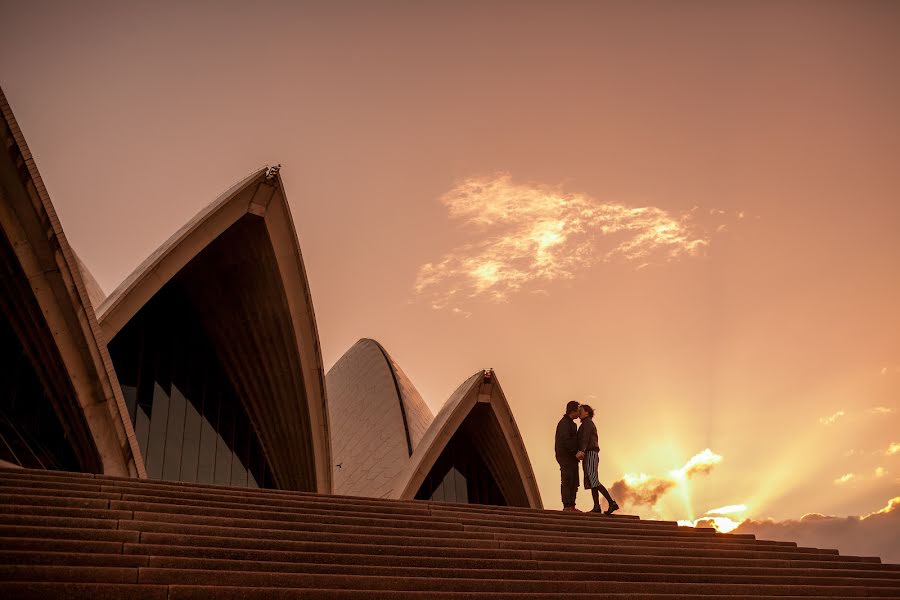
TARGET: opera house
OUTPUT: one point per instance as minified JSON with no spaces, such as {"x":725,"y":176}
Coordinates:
{"x":205,"y":366}
{"x":180,"y":440}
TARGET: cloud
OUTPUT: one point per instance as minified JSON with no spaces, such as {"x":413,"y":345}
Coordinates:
{"x":875,"y":534}
{"x":700,"y":464}
{"x":646,"y":490}
{"x":847,"y":478}
{"x":722,"y":524}
{"x":854,"y":452}
{"x":531,"y":233}
{"x":880,"y":471}
{"x":832,"y":419}
{"x":880,"y":410}
{"x":641,"y":489}
{"x":893,"y":449}
{"x":727,"y":510}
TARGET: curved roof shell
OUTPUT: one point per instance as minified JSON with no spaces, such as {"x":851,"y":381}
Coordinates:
{"x":48,"y":300}
{"x":494,"y":433}
{"x":377,"y":419}
{"x":385,"y":440}
{"x":239,"y":261}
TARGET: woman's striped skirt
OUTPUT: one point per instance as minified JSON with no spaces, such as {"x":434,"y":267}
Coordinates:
{"x":590,"y":464}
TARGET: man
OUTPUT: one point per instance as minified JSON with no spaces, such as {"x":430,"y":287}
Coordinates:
{"x":589,"y":454}
{"x":566,"y":446}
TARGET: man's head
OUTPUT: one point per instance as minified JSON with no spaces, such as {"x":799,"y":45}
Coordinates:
{"x":572,"y":410}
{"x":585,"y":411}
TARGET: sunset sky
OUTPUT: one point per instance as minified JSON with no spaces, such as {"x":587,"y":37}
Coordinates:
{"x":683,"y":213}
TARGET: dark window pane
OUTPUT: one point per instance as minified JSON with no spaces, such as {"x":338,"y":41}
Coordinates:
{"x":208,"y":437}
{"x":191,"y":447}
{"x":189,"y":423}
{"x":241,"y":449}
{"x":32,"y":434}
{"x":226,"y":438}
{"x":174,"y":435}
{"x":158,"y":423}
{"x":460,"y":475}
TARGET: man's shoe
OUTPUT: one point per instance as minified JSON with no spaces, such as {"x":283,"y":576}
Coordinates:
{"x":612,"y":508}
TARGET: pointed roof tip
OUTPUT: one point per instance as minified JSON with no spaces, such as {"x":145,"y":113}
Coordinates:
{"x":259,"y":198}
{"x":450,"y":419}
{"x":209,"y":212}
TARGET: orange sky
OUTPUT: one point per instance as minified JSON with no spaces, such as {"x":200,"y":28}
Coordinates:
{"x":684,"y":213}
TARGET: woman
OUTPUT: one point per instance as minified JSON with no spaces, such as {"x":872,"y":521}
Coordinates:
{"x":589,"y":454}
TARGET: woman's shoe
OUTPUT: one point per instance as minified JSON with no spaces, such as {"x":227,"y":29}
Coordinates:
{"x":596,"y":509}
{"x":613,"y":507}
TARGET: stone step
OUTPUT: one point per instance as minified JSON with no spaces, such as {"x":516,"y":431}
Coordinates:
{"x":29,"y":496}
{"x":170,"y":505}
{"x":476,"y":556}
{"x":85,"y":536}
{"x":298,"y":576}
{"x":343,"y":581}
{"x":524,"y":570}
{"x":481,"y":548}
{"x":82,"y":591}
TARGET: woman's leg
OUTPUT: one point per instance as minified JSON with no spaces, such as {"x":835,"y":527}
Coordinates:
{"x":596,"y":498}
{"x":605,"y":493}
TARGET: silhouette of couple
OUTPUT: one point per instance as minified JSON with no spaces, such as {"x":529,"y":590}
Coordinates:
{"x":574,"y":444}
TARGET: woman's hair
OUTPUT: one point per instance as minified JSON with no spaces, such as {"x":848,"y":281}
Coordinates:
{"x":587,"y":408}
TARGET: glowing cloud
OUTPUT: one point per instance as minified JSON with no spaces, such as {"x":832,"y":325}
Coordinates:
{"x":847,"y":478}
{"x":893,"y":449}
{"x":699,"y":464}
{"x":832,"y":419}
{"x":875,"y":534}
{"x":646,"y":490}
{"x":880,"y":472}
{"x":526,"y":233}
{"x":721,"y":524}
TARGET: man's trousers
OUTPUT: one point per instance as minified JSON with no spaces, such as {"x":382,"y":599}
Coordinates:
{"x":568,"y":473}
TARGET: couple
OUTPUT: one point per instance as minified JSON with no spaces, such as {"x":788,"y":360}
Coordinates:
{"x":575,"y":444}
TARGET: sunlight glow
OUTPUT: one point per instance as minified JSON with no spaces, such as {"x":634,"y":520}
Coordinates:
{"x":720,"y":524}
{"x":727,"y":510}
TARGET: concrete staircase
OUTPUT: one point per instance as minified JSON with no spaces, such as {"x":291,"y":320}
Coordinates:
{"x":70,"y":535}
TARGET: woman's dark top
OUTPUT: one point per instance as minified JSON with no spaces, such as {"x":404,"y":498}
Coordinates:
{"x":587,"y":435}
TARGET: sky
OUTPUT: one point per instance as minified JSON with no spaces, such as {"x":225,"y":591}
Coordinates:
{"x":684,"y":214}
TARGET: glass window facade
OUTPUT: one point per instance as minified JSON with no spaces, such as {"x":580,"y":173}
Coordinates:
{"x":190,"y":424}
{"x":460,"y":475}
{"x":31,"y":434}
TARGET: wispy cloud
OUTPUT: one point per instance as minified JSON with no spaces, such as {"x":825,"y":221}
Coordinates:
{"x":646,"y":490}
{"x":525,"y":234}
{"x":832,"y":419}
{"x":846,"y":478}
{"x":880,"y":410}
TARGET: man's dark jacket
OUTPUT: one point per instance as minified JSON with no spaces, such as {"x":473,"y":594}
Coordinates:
{"x":566,"y":441}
